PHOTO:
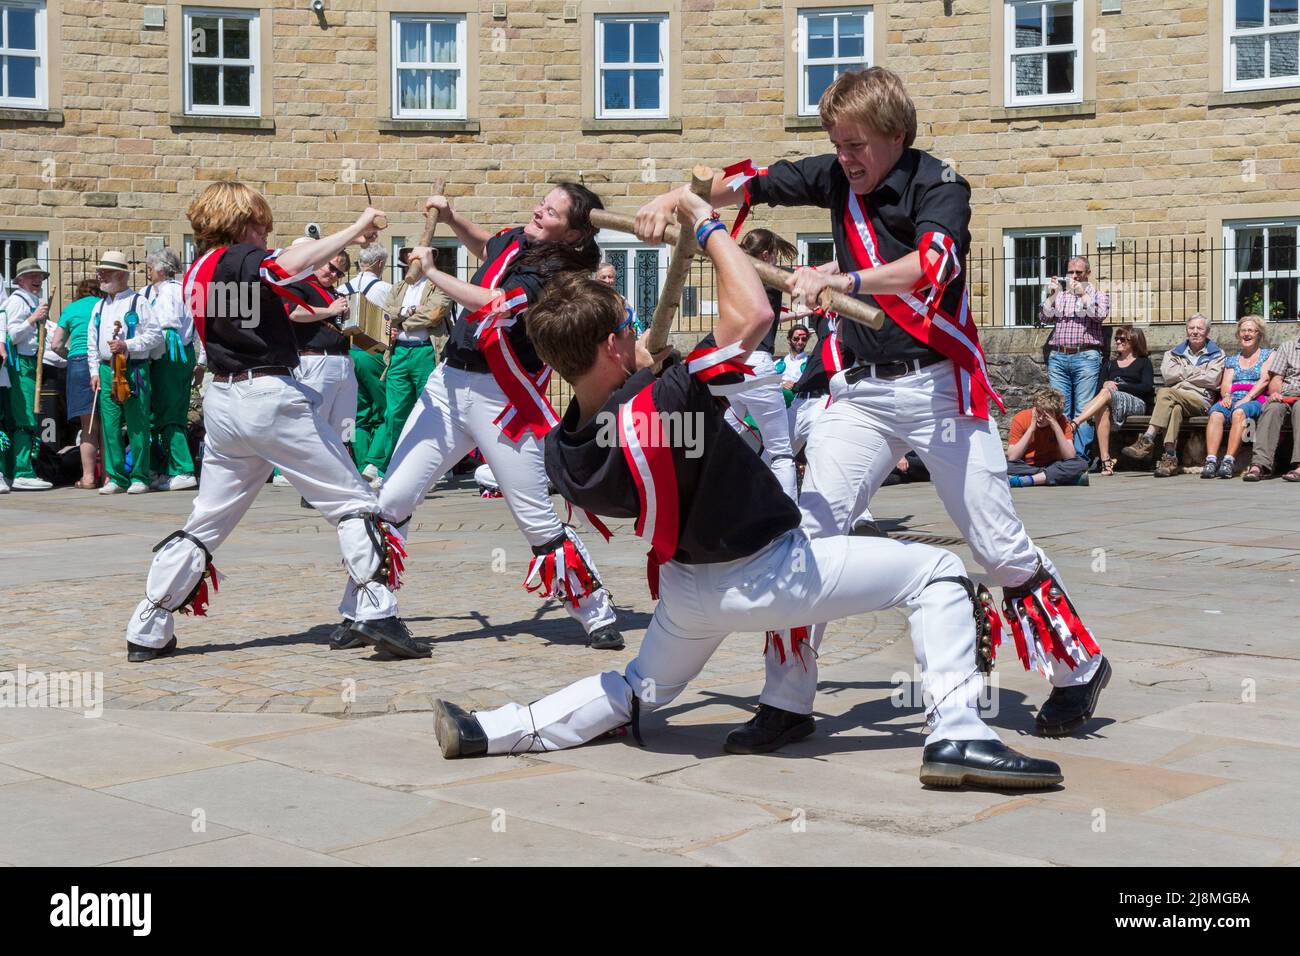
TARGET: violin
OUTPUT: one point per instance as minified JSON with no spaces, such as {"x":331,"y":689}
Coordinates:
{"x":121,"y":384}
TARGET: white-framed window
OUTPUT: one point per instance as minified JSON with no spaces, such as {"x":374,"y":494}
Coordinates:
{"x":451,"y":256}
{"x":1261,"y":44}
{"x":429,"y":74}
{"x":24,"y":74}
{"x":1030,"y":258}
{"x":815,"y":248}
{"x":17,"y":246}
{"x":222,"y":62}
{"x":188,"y":250}
{"x":632,"y":66}
{"x":831,"y":41}
{"x":1260,"y":269}
{"x":1044,"y":59}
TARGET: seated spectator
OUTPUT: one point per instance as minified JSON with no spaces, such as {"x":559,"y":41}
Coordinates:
{"x":1040,"y":448}
{"x":1127,"y":388}
{"x":1243,"y":392}
{"x":1283,"y":391}
{"x":1191,"y":373}
{"x":792,"y":364}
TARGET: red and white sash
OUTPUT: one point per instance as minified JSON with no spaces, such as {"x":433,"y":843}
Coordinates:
{"x":738,"y":176}
{"x":649,"y":458}
{"x":955,"y":338}
{"x":527,"y":409}
{"x":708,"y":364}
{"x":198,"y":283}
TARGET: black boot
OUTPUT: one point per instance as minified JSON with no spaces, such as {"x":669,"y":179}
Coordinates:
{"x":605,"y":638}
{"x":390,"y":634}
{"x":771,"y":728}
{"x":1069,"y":708}
{"x":138,"y":653}
{"x":343,"y":638}
{"x":459,"y":734}
{"x":984,"y":763}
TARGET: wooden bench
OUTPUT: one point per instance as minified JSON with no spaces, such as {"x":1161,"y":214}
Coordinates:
{"x":1191,"y":445}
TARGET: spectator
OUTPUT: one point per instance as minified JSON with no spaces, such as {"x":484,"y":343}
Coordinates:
{"x":1040,"y":448}
{"x":20,"y":315}
{"x":1283,"y":390}
{"x":176,"y":368}
{"x":74,"y":323}
{"x":606,"y":273}
{"x":370,"y":430}
{"x":1242,"y":392}
{"x":1128,"y":388}
{"x":1191,"y":372}
{"x":1078,"y":310}
{"x":792,"y":364}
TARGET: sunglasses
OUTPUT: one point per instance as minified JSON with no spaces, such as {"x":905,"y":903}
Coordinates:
{"x":622,"y":325}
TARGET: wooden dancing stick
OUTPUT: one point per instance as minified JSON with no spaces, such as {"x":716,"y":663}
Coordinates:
{"x":684,"y":249}
{"x":845,"y":305}
{"x":414,"y":269}
{"x":40,"y":365}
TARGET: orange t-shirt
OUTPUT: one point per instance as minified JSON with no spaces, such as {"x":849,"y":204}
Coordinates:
{"x":1043,"y":449}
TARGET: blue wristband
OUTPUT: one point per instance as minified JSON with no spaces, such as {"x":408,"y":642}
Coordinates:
{"x":708,"y":229}
{"x":857,"y":282}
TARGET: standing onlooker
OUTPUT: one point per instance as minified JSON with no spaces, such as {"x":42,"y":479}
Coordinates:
{"x":1191,"y":372}
{"x":1283,"y":392}
{"x":1128,"y":388}
{"x":74,"y":322}
{"x":792,"y":364}
{"x":368,"y":366}
{"x":122,"y":324}
{"x":1242,"y":394}
{"x":1078,"y":310}
{"x":606,"y":273}
{"x":22,"y":313}
{"x":177,"y":367}
{"x":1040,"y":448}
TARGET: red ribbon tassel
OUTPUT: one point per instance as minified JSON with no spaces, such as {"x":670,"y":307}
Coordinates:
{"x":395,"y":555}
{"x":1017,"y":632}
{"x":798,"y":641}
{"x":1078,"y":630}
{"x":1048,"y":639}
{"x":994,"y":624}
{"x":199,"y":605}
{"x":774,"y":638}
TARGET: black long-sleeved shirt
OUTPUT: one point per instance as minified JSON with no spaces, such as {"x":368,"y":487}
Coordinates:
{"x":1137,"y":379}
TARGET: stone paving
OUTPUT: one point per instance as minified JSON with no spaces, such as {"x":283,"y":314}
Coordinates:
{"x":257,"y":744}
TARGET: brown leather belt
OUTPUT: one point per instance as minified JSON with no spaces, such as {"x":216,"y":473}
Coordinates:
{"x":1075,"y":349}
{"x":252,"y":373}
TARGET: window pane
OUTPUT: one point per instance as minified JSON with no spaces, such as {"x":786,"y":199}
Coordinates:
{"x":236,"y":85}
{"x":646,"y":36}
{"x":444,"y":42}
{"x":617,"y":93}
{"x":411,"y":46}
{"x":1059,"y":251}
{"x":204,"y":37}
{"x":852,"y":42}
{"x":1025,"y":252}
{"x":1282,"y":50}
{"x":821,"y":38}
{"x":1029,"y":75}
{"x":235,"y":39}
{"x":1281,"y":299}
{"x":819,"y":77}
{"x":819,"y":252}
{"x":22,"y":29}
{"x":1029,"y":25}
{"x":616,"y":42}
{"x":444,"y":257}
{"x":1250,"y":57}
{"x":618,"y":259}
{"x":1060,"y":23}
{"x":647,"y":89}
{"x":1024,"y":304}
{"x":410,"y":89}
{"x":1281,"y":249}
{"x":22,"y":77}
{"x":1250,"y":14}
{"x":1282,"y":12}
{"x":1250,"y":298}
{"x":1250,"y":250}
{"x":204,"y":82}
{"x":444,"y":89}
{"x":1060,"y":72}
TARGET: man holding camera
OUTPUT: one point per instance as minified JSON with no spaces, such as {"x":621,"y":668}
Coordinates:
{"x":1078,"y":310}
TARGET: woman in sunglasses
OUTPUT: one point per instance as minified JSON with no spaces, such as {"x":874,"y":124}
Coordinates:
{"x":1127,"y":388}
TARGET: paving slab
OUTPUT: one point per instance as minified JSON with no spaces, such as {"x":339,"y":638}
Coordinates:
{"x":238,"y":851}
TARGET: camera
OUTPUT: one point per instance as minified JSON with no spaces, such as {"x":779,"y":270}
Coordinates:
{"x":312,"y":230}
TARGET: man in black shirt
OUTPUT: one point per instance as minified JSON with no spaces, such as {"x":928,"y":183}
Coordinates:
{"x":726,"y":549}
{"x":257,"y":416}
{"x":900,"y":218}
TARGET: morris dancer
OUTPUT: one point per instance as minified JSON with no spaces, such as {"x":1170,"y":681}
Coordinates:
{"x":177,"y":366}
{"x":722,"y":559}
{"x":256,"y":414}
{"x":20,"y":318}
{"x":899,"y":221}
{"x":489,"y":392}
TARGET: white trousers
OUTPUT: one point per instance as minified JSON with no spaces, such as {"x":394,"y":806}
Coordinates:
{"x":790,"y":582}
{"x":766,"y":404}
{"x":334,"y":381}
{"x":852,"y":449}
{"x":454,"y":413}
{"x":252,"y":427}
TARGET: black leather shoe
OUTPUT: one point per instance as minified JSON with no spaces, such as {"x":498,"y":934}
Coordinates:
{"x":390,"y":634}
{"x":1069,"y":708}
{"x":984,"y":763}
{"x":459,"y":734}
{"x":343,"y":638}
{"x":138,"y":653}
{"x":771,"y":728}
{"x":867,"y":529}
{"x":605,"y":638}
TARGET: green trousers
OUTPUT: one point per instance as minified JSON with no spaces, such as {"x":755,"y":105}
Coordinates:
{"x":18,"y":433}
{"x":169,"y":383}
{"x":135,"y":413}
{"x":407,"y":373}
{"x":371,"y":403}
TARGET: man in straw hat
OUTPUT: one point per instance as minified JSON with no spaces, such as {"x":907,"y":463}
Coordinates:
{"x":20,"y":318}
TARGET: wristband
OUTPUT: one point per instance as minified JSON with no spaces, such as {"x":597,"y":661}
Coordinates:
{"x":711,"y":217}
{"x":857,"y":283}
{"x":708,"y":229}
